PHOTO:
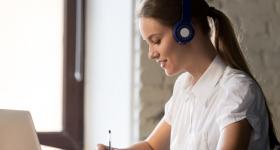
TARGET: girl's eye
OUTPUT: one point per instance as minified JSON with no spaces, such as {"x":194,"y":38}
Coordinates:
{"x":156,"y":42}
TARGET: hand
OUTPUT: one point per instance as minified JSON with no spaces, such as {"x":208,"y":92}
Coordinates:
{"x":101,"y":147}
{"x":104,"y":147}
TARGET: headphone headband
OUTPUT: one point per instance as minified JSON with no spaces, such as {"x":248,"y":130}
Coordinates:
{"x":183,"y":31}
{"x":186,"y":10}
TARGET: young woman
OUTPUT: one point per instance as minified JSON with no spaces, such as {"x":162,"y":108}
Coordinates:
{"x":216,"y":101}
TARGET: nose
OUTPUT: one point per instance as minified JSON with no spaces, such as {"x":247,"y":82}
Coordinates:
{"x":153,"y":54}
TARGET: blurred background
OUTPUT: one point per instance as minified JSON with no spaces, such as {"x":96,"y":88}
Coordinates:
{"x":81,"y":68}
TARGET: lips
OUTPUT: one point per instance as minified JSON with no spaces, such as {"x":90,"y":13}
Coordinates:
{"x":162,"y":62}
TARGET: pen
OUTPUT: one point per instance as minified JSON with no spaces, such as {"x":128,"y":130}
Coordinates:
{"x":109,"y":139}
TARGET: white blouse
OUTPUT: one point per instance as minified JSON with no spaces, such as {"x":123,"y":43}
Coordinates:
{"x":198,"y":113}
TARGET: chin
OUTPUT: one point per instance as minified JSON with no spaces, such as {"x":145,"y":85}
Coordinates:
{"x":171,"y":73}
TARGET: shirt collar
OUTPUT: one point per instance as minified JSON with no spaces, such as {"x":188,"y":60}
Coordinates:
{"x":209,"y":79}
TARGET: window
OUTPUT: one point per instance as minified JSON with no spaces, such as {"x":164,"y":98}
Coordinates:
{"x":42,"y":61}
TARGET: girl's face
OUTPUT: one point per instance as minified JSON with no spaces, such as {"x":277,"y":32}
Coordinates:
{"x":172,"y":57}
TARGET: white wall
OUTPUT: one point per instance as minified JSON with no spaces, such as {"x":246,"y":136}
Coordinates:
{"x":108,"y":72}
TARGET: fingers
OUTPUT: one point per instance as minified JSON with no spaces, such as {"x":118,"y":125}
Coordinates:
{"x":104,"y":147}
{"x":101,"y":147}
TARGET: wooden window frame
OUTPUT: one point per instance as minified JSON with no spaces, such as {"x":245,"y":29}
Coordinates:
{"x":71,"y":136}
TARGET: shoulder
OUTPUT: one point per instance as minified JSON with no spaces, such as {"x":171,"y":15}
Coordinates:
{"x":239,"y":93}
{"x":241,"y":98}
{"x":238,"y":82}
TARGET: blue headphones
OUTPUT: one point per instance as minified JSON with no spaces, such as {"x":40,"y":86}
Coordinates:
{"x":183,"y":31}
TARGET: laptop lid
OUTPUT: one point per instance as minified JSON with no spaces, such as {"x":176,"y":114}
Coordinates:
{"x":17,"y":131}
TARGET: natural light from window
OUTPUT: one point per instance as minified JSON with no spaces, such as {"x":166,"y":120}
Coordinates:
{"x":31,"y":44}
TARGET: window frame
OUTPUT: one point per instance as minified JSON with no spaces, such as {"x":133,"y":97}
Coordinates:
{"x":72,"y":134}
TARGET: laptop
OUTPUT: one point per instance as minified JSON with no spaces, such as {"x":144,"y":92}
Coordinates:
{"x":17,"y":131}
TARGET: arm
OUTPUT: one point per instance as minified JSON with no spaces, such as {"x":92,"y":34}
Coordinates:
{"x":235,"y":136}
{"x":157,"y":140}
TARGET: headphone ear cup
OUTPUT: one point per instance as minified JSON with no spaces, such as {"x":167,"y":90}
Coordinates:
{"x":183,"y":32}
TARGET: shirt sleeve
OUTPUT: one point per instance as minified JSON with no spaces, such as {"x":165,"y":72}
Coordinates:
{"x":167,"y":111}
{"x":241,"y":99}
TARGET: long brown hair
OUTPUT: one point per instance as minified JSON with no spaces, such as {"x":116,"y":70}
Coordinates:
{"x":168,"y":12}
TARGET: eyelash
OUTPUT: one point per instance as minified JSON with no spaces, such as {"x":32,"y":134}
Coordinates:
{"x":156,"y":42}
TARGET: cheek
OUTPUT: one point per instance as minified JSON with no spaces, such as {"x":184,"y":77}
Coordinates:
{"x":173,"y":52}
{"x":176,"y":57}
{"x":169,"y":47}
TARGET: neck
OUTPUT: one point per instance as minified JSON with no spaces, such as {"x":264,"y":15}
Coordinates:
{"x":205,"y":57}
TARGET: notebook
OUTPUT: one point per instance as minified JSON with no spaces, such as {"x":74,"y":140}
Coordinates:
{"x":17,"y":131}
